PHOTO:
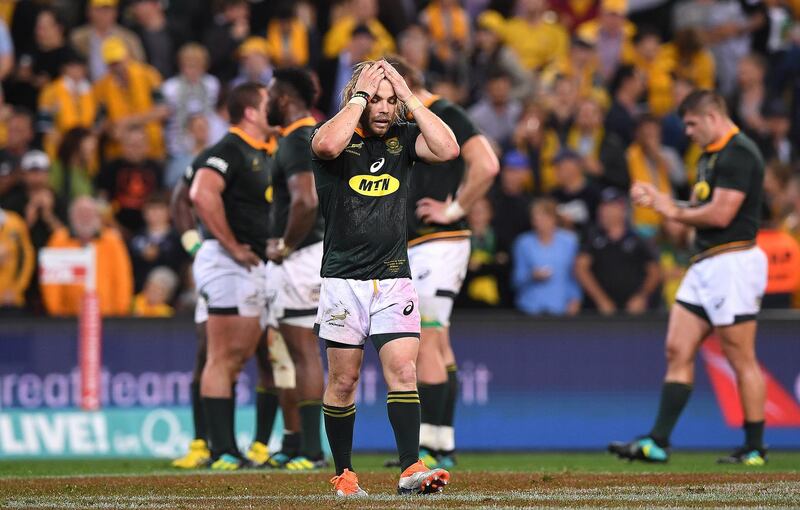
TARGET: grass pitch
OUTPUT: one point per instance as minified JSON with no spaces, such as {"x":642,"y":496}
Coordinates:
{"x":537,"y":480}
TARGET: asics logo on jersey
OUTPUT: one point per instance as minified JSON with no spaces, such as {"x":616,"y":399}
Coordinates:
{"x":377,"y":165}
{"x":374,"y":185}
{"x":409,"y":308}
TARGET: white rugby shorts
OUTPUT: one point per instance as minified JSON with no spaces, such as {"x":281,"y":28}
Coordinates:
{"x":227,"y":287}
{"x":350,"y":311}
{"x":438,"y":269}
{"x":293,"y":287}
{"x":727,"y":288}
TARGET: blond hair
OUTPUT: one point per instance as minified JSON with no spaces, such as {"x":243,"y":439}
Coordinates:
{"x":193,"y":51}
{"x":350,"y":89}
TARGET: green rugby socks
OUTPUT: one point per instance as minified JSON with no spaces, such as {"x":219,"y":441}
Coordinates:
{"x":404,"y":415}
{"x":266,"y":409}
{"x":198,"y":414}
{"x":339,"y":423}
{"x":311,"y":444}
{"x":432,"y":399}
{"x":219,"y":413}
{"x":754,"y":434}
{"x":673,"y":399}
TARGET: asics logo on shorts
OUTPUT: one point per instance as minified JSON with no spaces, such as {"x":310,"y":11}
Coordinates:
{"x":409,"y":308}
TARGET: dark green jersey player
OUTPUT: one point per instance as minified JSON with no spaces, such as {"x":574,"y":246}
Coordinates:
{"x":246,"y":167}
{"x":439,"y":251}
{"x":440,"y":182}
{"x":722,"y":290}
{"x":734,"y":162}
{"x":362,"y":160}
{"x":363,"y":195}
{"x":230,"y":193}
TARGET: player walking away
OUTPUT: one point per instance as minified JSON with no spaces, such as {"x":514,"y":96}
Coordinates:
{"x":198,"y":455}
{"x":439,"y":249}
{"x":362,"y":161}
{"x":723,"y":287}
{"x":293,"y":272}
{"x":229,"y":193}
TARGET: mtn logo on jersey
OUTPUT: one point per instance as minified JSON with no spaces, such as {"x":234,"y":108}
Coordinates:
{"x":374,"y":185}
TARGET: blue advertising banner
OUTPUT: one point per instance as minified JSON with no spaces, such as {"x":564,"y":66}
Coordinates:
{"x":524,"y":384}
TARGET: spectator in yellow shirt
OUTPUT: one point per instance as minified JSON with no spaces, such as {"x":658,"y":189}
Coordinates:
{"x":537,"y":39}
{"x":288,"y":37}
{"x":16,"y":260}
{"x":113,"y":273}
{"x":612,"y":35}
{"x":130,"y":94}
{"x":358,"y":12}
{"x":448,"y":24}
{"x":157,"y":293}
{"x":66,"y":103}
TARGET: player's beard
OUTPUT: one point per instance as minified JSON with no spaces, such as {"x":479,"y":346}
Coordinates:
{"x":368,"y":125}
{"x":274,"y":116}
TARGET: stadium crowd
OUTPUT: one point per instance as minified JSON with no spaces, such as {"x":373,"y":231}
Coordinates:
{"x":106,"y":102}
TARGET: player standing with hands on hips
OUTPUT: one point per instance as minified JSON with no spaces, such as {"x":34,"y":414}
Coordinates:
{"x":722,"y":289}
{"x":362,"y":161}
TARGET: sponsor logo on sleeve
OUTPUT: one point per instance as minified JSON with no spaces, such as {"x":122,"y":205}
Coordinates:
{"x":218,"y":163}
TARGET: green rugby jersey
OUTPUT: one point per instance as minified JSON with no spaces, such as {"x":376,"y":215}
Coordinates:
{"x":438,"y":181}
{"x":734,"y":163}
{"x":292,"y":157}
{"x":362,"y":195}
{"x":246,"y":166}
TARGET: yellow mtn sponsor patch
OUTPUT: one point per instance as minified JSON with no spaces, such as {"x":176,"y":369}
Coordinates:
{"x":374,"y":185}
{"x":268,"y":194}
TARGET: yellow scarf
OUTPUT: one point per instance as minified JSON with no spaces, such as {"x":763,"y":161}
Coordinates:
{"x":293,"y":53}
{"x":442,"y":32}
{"x":639,"y":170}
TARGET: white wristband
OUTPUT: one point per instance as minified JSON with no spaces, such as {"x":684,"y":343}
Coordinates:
{"x":360,"y":101}
{"x":454,"y":211}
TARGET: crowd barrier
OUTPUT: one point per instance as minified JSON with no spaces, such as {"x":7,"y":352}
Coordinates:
{"x":525,"y":384}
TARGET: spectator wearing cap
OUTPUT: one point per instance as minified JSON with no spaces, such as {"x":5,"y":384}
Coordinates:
{"x":66,"y":103}
{"x":449,"y":26}
{"x":356,"y":13}
{"x":75,"y":167}
{"x":776,"y":142}
{"x":157,"y":243}
{"x":154,"y":299}
{"x":511,"y":198}
{"x":161,"y":36}
{"x":612,"y":35}
{"x":615,"y":267}
{"x":113,"y":275}
{"x":488,"y":52}
{"x":127,"y":181}
{"x":575,"y":195}
{"x":536,"y":39}
{"x":651,"y":162}
{"x":573,"y":13}
{"x":543,"y":262}
{"x":289,"y":38}
{"x":130,"y":94}
{"x":17,"y":260}
{"x":88,"y":39}
{"x":192,"y":92}
{"x":626,"y":88}
{"x":254,"y":62}
{"x":230,"y":27}
{"x":336,"y":72}
{"x":684,"y":57}
{"x":497,"y":112}
{"x":44,"y":211}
